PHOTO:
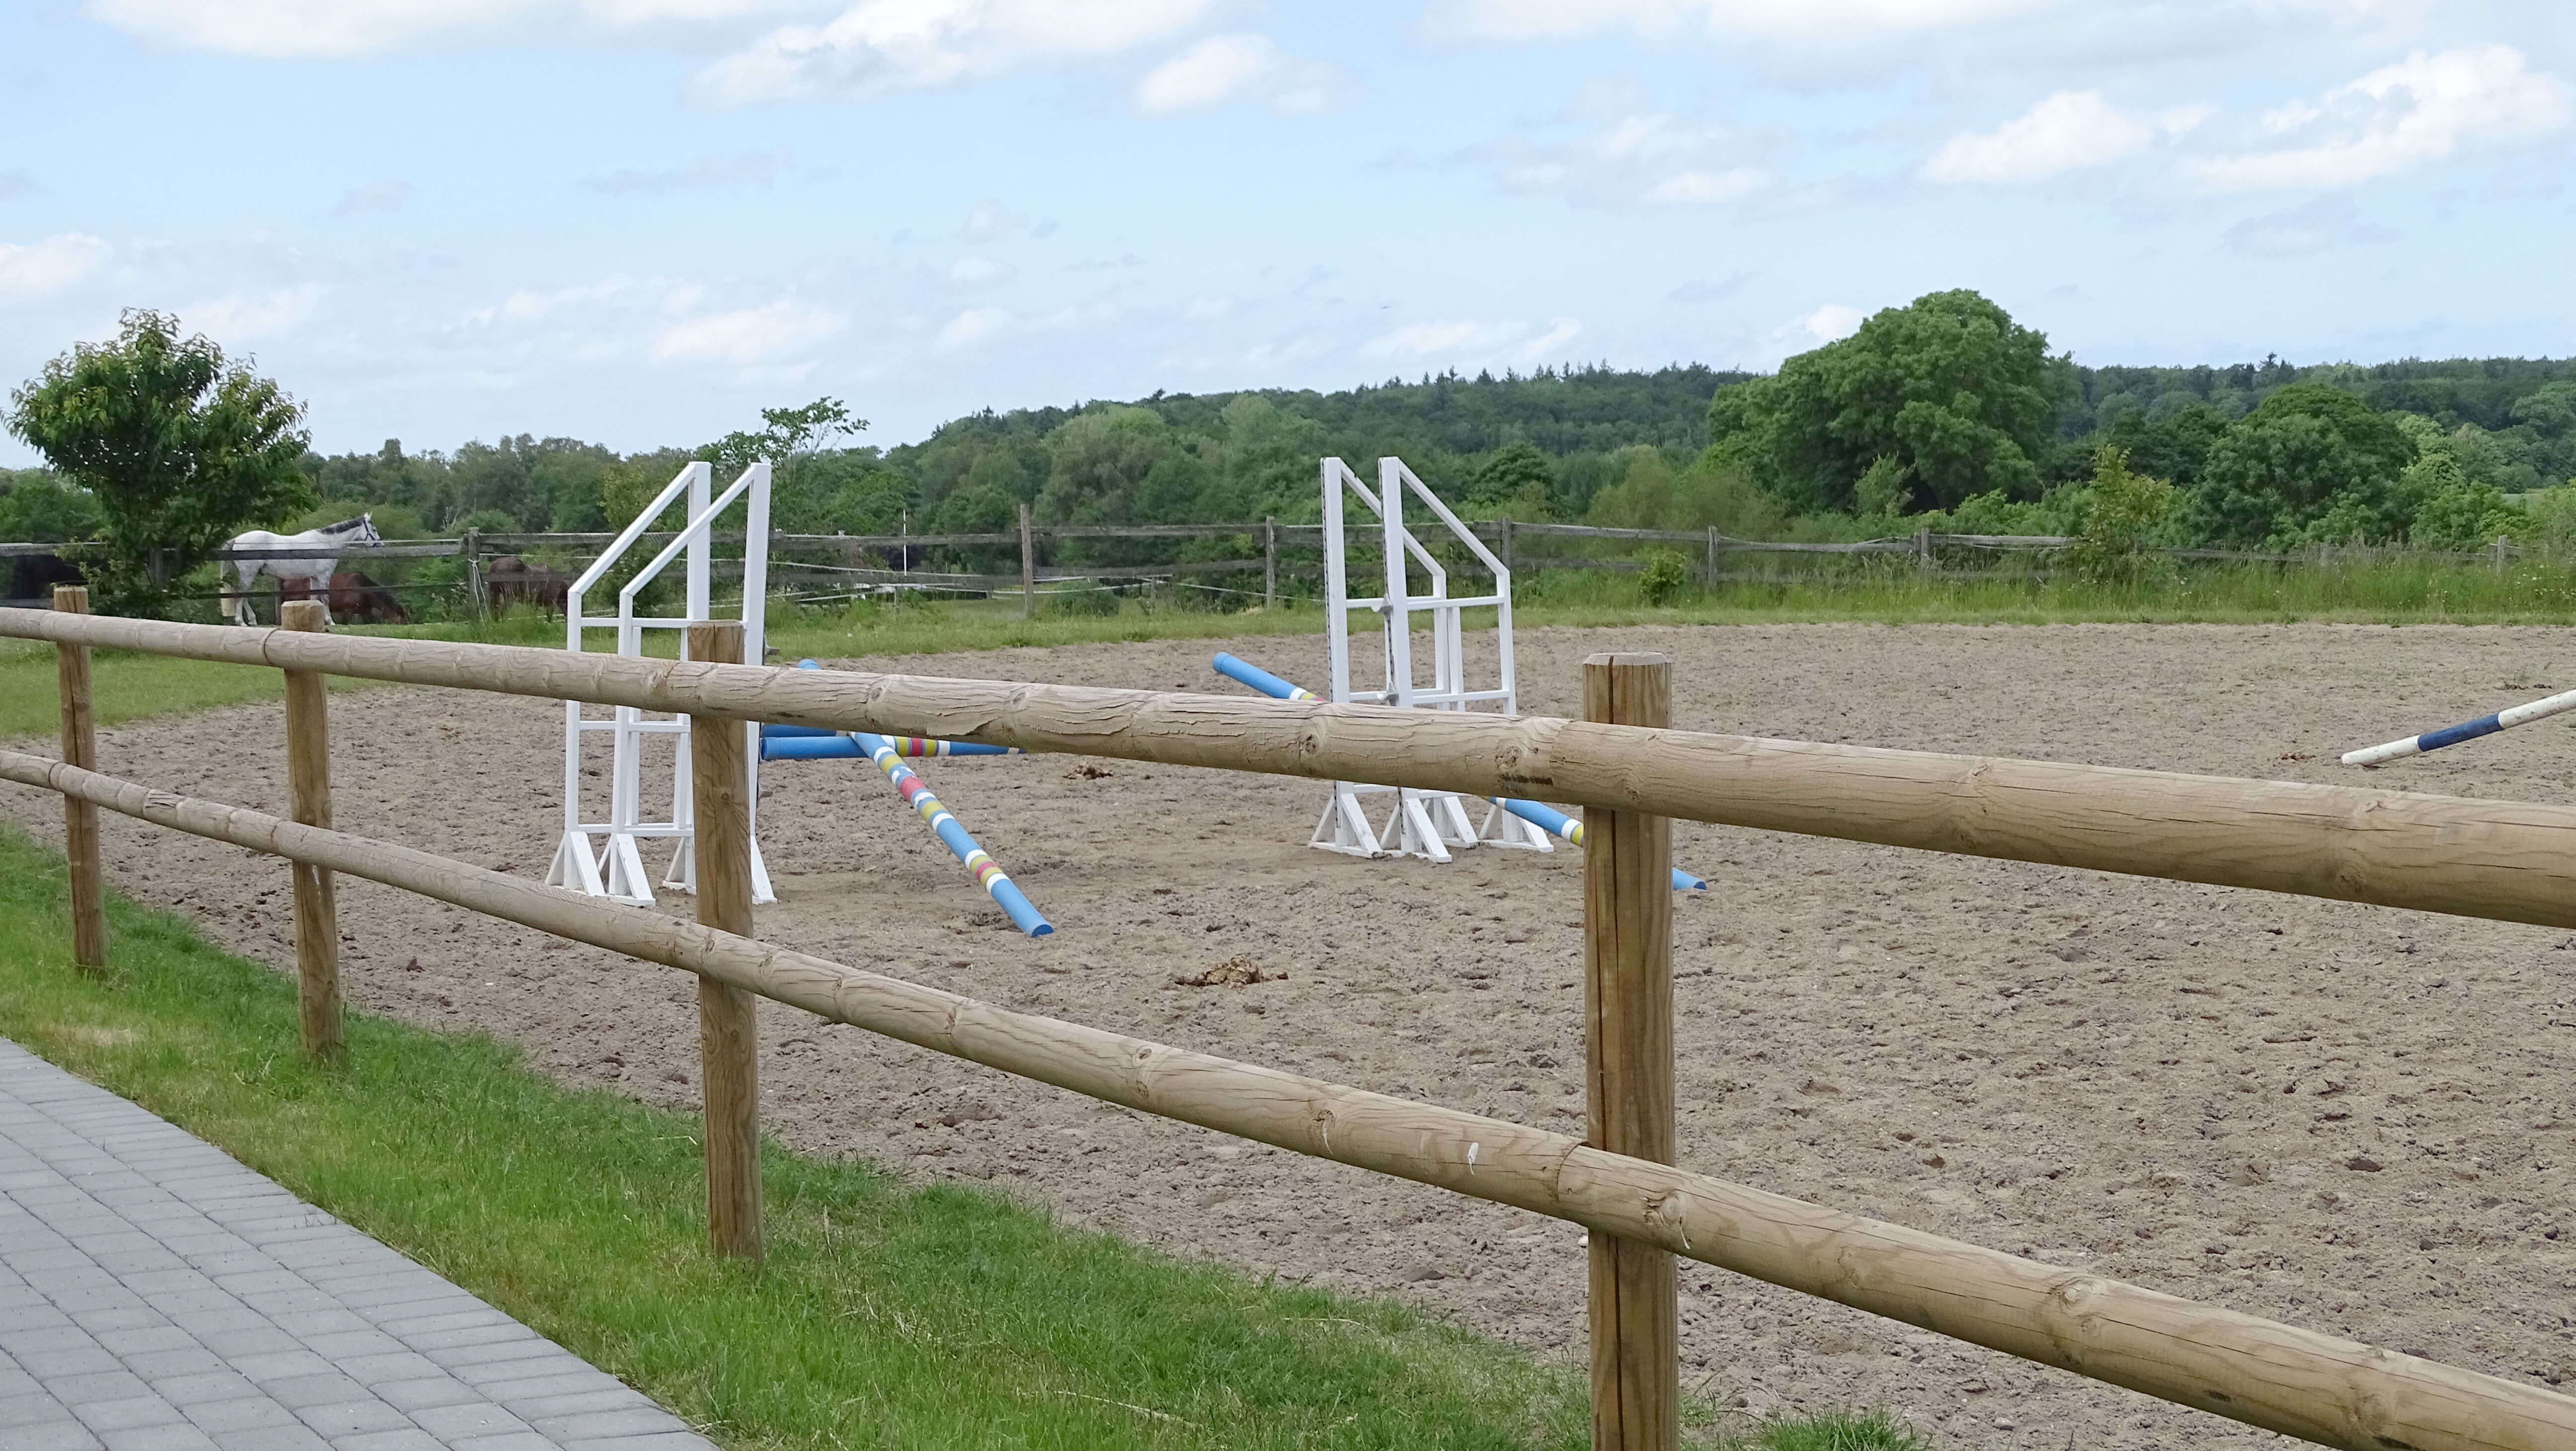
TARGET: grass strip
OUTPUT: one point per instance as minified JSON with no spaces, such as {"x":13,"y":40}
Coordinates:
{"x":886,"y":1316}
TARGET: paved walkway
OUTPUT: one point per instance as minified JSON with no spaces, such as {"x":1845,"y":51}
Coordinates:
{"x":157,"y":1296}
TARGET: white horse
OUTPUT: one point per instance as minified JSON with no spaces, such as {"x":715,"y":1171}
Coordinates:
{"x":313,"y":571}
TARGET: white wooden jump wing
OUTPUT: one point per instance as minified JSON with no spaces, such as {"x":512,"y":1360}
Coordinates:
{"x":615,"y":868}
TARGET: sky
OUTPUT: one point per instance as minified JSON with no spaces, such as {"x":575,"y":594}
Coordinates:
{"x":640,"y":221}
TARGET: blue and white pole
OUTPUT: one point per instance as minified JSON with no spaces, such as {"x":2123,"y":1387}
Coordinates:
{"x":1546,"y":818}
{"x":2465,"y":731}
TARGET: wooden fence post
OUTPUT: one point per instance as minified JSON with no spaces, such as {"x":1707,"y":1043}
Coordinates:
{"x":1628,"y":1053}
{"x":308,"y":775}
{"x":1270,"y":562}
{"x":477,"y":601}
{"x":1711,"y":581}
{"x":728,"y":1017}
{"x":2503,"y":548}
{"x":1922,"y":549}
{"x":80,"y":818}
{"x":1028,"y":568}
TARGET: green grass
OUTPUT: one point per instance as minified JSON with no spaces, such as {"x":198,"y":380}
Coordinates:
{"x":886,"y":1316}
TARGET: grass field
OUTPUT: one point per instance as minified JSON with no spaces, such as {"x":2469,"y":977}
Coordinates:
{"x":886,"y":1315}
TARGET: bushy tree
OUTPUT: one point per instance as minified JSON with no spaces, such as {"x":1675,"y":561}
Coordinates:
{"x":2128,"y":515}
{"x":38,"y":508}
{"x":1958,"y":395}
{"x":1517,"y":473}
{"x":181,"y":448}
{"x":2310,"y":451}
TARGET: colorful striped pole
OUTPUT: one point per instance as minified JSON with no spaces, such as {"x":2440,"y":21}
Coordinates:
{"x":2465,"y":731}
{"x":1004,"y":892}
{"x":812,"y":743}
{"x":807,"y":742}
{"x":1546,"y":818}
{"x":1565,"y":828}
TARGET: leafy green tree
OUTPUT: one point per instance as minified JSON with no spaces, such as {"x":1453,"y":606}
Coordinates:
{"x":2168,"y":443}
{"x":38,"y":508}
{"x":1516,"y":474}
{"x":1097,"y":460}
{"x":2308,"y":451}
{"x":181,"y":449}
{"x":1961,"y":397}
{"x":2128,"y":516}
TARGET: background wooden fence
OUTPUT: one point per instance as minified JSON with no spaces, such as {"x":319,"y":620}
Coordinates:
{"x":2502,"y":860}
{"x":1047,"y":558}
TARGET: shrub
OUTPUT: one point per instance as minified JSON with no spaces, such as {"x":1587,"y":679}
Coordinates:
{"x":2128,"y":516}
{"x":1666,"y":575}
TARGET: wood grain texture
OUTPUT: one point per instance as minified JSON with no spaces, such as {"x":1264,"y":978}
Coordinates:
{"x":728,"y":1013}
{"x":80,"y":818}
{"x":2509,"y":861}
{"x":317,"y":910}
{"x":2318,"y":1387}
{"x":1028,"y":568}
{"x":1628,"y":1071}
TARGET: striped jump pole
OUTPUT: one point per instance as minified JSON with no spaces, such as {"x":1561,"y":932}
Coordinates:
{"x":2465,"y":731}
{"x":808,"y":742}
{"x":813,"y":743}
{"x":1546,"y":818}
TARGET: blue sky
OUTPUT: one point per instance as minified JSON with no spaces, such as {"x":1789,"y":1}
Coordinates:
{"x":638,"y":221}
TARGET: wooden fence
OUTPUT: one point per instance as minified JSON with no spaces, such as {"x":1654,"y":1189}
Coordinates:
{"x":860,"y":562}
{"x":2486,"y":859}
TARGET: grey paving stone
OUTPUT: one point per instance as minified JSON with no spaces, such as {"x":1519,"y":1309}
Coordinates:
{"x":157,"y":1296}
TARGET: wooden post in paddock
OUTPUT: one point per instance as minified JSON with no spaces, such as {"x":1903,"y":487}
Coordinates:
{"x":1628,"y":1070}
{"x":308,"y":777}
{"x":80,"y":818}
{"x":1028,"y":568}
{"x":728,"y":1016}
{"x":1270,"y":562}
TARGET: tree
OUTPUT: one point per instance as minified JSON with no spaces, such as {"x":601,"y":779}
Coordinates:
{"x":2126,"y":518}
{"x":1517,"y":473}
{"x":2310,"y":451}
{"x":181,"y":449}
{"x":1950,"y":388}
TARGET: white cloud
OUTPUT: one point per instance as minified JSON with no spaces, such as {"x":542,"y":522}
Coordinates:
{"x":975,"y":325}
{"x":1225,"y":68}
{"x":746,"y":335}
{"x":332,"y":29}
{"x":239,"y":317}
{"x":1468,"y":344}
{"x":743,"y":168}
{"x":34,"y":268}
{"x":1643,"y":159}
{"x":2067,"y":132}
{"x":974,"y":271}
{"x":1777,"y":19}
{"x":2422,"y":109}
{"x":1829,"y":323}
{"x":376,"y":196}
{"x":879,"y":47}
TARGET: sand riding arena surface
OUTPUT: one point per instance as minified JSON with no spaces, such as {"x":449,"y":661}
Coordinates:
{"x":2349,"y":1118}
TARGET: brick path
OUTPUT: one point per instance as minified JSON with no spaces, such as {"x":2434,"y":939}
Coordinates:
{"x":157,"y":1296}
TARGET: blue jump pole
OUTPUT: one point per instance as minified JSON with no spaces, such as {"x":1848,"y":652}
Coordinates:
{"x":2486,"y":725}
{"x":1546,"y":818}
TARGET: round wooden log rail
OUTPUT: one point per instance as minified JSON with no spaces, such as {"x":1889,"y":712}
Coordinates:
{"x":2509,"y":861}
{"x":2317,"y":1387}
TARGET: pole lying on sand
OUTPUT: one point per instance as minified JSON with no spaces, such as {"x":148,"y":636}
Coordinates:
{"x":2485,"y":725}
{"x":813,"y":743}
{"x":1005,"y":893}
{"x":1546,"y":818}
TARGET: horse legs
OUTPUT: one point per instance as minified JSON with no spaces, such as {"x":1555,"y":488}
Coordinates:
{"x":233,"y":605}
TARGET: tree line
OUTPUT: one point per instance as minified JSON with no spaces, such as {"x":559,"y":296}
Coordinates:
{"x":1943,"y":413}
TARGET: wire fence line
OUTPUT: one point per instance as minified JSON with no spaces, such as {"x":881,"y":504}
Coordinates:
{"x":824,"y":568}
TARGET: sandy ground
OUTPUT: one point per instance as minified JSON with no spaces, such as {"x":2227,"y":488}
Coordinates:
{"x":2350,"y":1118}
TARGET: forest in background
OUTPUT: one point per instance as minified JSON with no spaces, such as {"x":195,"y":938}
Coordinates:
{"x":1943,"y":414}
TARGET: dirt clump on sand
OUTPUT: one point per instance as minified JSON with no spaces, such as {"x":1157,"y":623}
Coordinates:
{"x":2353,"y":1119}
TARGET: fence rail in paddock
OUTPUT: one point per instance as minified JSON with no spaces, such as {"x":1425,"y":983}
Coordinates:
{"x":2477,"y":858}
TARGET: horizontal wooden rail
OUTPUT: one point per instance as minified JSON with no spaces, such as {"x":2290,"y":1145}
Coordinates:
{"x":2317,"y":1387}
{"x":2509,"y":861}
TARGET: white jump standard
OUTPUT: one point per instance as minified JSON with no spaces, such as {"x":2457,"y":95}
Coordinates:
{"x":2465,"y":731}
{"x":615,"y":869}
{"x":1425,"y":824}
